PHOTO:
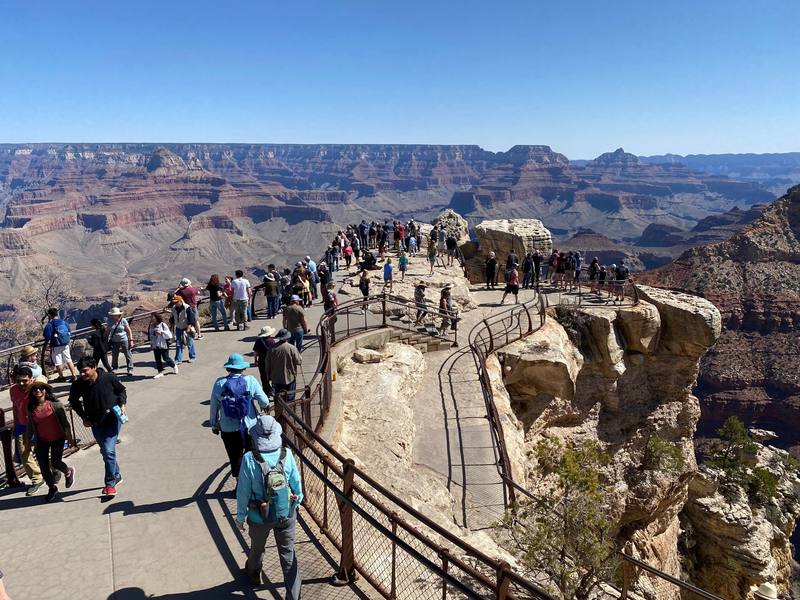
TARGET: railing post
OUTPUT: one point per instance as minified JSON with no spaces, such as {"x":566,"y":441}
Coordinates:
{"x":383,"y":307}
{"x":393,"y":581}
{"x":307,"y":406}
{"x":6,"y":435}
{"x":347,"y":572}
{"x":503,"y":581}
{"x":445,"y":556}
{"x":627,"y":575}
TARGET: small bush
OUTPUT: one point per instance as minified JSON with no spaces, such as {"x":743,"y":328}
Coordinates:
{"x":659,"y":454}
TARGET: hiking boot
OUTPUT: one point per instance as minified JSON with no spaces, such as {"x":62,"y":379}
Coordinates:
{"x":52,"y":493}
{"x":70,"y":477}
{"x":34,"y":488}
{"x":158,"y":375}
{"x":109,"y":491}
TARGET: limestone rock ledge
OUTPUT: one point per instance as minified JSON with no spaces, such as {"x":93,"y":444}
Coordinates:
{"x":732,"y":546}
{"x":502,"y":237}
{"x":619,"y":376}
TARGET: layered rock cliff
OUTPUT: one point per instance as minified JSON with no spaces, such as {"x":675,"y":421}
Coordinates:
{"x":621,"y":377}
{"x":754,"y":279}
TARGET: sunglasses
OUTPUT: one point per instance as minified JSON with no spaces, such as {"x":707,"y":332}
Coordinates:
{"x":38,"y":391}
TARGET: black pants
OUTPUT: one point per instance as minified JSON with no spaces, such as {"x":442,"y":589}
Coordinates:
{"x":162,"y":356}
{"x":49,"y":456}
{"x":101,"y":356}
{"x":235,"y":448}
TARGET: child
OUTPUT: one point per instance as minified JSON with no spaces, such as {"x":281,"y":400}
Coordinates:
{"x":412,"y":246}
{"x":387,"y":275}
{"x":403,"y":263}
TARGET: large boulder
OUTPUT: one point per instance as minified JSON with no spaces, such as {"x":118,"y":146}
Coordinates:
{"x":504,"y":236}
{"x":454,"y":224}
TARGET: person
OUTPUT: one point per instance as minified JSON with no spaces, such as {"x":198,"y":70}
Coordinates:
{"x":98,"y":342}
{"x":527,"y":271}
{"x":420,"y":302}
{"x":412,"y":245}
{"x":324,"y":274}
{"x":3,"y":593}
{"x":281,"y":365}
{"x":621,"y":275}
{"x":267,"y":459}
{"x":272,"y":295}
{"x":227,"y":290}
{"x":184,"y":320}
{"x":262,"y":346}
{"x":601,"y":280}
{"x":363,"y":234}
{"x":355,"y":243}
{"x":363,"y":286}
{"x":384,"y":247}
{"x":313,"y":277}
{"x":491,"y":271}
{"x":159,"y":335}
{"x":578,"y":264}
{"x":403,"y":265}
{"x":537,"y":267}
{"x":451,"y":243}
{"x":446,"y":310}
{"x":19,"y":407}
{"x":216,"y":299}
{"x":552,"y":263}
{"x":432,"y":254}
{"x":57,"y":335}
{"x":120,"y":336}
{"x":593,"y":270}
{"x":511,"y":259}
{"x":512,"y":284}
{"x":561,"y":269}
{"x":294,"y":320}
{"x":49,"y":426}
{"x":100,"y":399}
{"x":241,"y":299}
{"x":387,"y":275}
{"x":27,"y":358}
{"x":188,"y":292}
{"x":236,"y":401}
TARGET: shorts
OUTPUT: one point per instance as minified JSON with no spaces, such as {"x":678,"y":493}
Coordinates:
{"x":452,"y":251}
{"x":512,"y":288}
{"x":60,"y":355}
{"x":432,"y":259}
{"x":403,"y":268}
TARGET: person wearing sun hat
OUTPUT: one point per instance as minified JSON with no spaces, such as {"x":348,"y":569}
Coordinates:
{"x":27,"y":358}
{"x":281,"y":364}
{"x":236,"y":401}
{"x":262,"y":346}
{"x":269,"y":454}
{"x":121,"y":338}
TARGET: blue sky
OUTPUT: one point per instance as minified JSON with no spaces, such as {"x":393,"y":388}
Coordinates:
{"x":583,"y":77}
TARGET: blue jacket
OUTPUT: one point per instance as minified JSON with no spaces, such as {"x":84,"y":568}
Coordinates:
{"x":224,"y":423}
{"x":251,"y":482}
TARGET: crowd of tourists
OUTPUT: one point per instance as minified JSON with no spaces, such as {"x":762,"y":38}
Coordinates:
{"x":563,"y":271}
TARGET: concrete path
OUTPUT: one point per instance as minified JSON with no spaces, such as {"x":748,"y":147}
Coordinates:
{"x":169,"y":532}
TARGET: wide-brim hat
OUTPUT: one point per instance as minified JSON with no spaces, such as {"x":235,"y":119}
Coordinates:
{"x":294,"y":298}
{"x":28,"y":351}
{"x":266,"y":434}
{"x":447,"y":287}
{"x":270,"y":277}
{"x":186,"y":281}
{"x":40,"y":383}
{"x":422,"y":284}
{"x":267,"y":331}
{"x":766,"y":591}
{"x":236,"y":362}
{"x":114,"y":312}
{"x":283,"y":335}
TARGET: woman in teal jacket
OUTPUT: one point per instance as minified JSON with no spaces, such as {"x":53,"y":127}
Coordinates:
{"x":265,"y":436}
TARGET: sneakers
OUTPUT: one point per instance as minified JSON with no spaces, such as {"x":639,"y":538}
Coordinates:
{"x":52,"y":494}
{"x":34,"y":489}
{"x":118,"y":480}
{"x":70,"y":478}
{"x":158,"y":375}
{"x":175,"y":369}
{"x":130,"y":373}
{"x":191,"y":360}
{"x":56,"y":476}
{"x":109,"y":491}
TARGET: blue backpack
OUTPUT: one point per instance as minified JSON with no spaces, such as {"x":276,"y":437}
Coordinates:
{"x":60,"y":334}
{"x":236,"y":398}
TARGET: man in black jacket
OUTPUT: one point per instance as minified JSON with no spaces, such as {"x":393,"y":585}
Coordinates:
{"x":95,"y":396}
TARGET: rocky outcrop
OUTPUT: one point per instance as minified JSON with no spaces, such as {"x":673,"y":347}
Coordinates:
{"x":454,"y":224}
{"x":503,"y":237}
{"x":754,"y":279}
{"x":731,"y":545}
{"x":621,"y":377}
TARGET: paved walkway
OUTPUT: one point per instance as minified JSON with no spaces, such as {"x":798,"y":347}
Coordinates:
{"x":169,"y":533}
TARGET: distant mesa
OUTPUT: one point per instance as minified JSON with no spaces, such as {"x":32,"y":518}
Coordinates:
{"x":617,"y":158}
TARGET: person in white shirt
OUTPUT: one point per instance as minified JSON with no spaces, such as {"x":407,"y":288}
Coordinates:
{"x":241,"y":299}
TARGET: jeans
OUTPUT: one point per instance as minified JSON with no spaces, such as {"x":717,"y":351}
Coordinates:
{"x":526,"y":279}
{"x":273,"y":303}
{"x":49,"y":455}
{"x":218,"y":306}
{"x":334,"y":262}
{"x":297,"y":338}
{"x":240,"y":312}
{"x":284,"y":540}
{"x":162,"y":356}
{"x":545,"y":271}
{"x":125,"y":347}
{"x":179,"y":345}
{"x":289,"y":388}
{"x":106,"y":434}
